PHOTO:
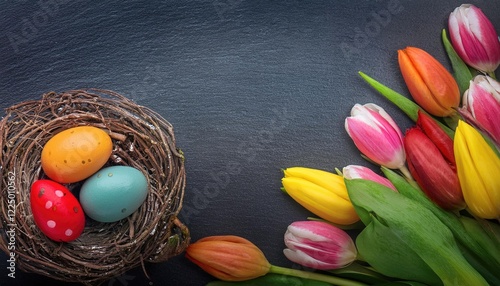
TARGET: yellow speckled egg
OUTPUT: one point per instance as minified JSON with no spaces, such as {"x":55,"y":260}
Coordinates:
{"x":76,"y":153}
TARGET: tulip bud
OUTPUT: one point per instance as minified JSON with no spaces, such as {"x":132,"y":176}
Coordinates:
{"x":361,"y":172}
{"x":482,"y":100}
{"x":428,"y":81}
{"x":431,"y":171}
{"x":376,"y":135}
{"x":434,"y":169}
{"x":474,"y":38}
{"x":319,"y":245}
{"x":228,"y":258}
{"x":438,"y":136}
{"x":322,"y":193}
{"x":478,"y":169}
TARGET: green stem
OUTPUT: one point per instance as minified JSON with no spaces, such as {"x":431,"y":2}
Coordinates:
{"x":461,"y":71}
{"x":452,"y":120}
{"x":406,"y":174}
{"x":314,"y":276}
{"x":406,"y":105}
{"x":492,"y":75}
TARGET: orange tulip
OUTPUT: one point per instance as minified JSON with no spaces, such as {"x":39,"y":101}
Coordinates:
{"x":228,"y":258}
{"x":429,"y":83}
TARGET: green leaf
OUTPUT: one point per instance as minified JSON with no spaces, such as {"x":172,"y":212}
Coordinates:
{"x":272,"y":279}
{"x":491,"y":259}
{"x":409,"y":107}
{"x":357,"y":225}
{"x":461,"y":71}
{"x":491,"y":228}
{"x":478,"y":233}
{"x":402,"y":283}
{"x":388,"y":254}
{"x":361,"y":273}
{"x":414,"y":224}
{"x":490,"y":243}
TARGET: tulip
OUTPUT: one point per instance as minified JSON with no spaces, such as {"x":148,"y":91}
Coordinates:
{"x":428,"y":81}
{"x":432,"y":172}
{"x":319,"y":245}
{"x":229,"y":258}
{"x":478,"y":168}
{"x":438,"y":136}
{"x":474,"y":38}
{"x":322,"y":193}
{"x":361,"y":172}
{"x":397,"y":224}
{"x":432,"y":164}
{"x":376,"y":135}
{"x":482,"y":100}
{"x":233,"y":258}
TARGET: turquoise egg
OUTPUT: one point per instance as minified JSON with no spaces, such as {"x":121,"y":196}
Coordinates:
{"x":113,"y":193}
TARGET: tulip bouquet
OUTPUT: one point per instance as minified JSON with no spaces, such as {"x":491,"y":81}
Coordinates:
{"x":436,"y":197}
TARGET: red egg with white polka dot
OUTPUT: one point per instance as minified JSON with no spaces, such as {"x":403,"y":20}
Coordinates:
{"x":56,"y":211}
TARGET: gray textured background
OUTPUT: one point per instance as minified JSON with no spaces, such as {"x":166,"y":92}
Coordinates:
{"x":250,"y":86}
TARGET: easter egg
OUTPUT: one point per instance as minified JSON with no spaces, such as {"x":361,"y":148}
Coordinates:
{"x":76,"y":153}
{"x":113,"y":193}
{"x":56,"y":211}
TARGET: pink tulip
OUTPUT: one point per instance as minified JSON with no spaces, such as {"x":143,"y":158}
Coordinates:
{"x":474,"y":38}
{"x":482,"y":100}
{"x":361,"y":172}
{"x":376,"y":135}
{"x":319,"y":245}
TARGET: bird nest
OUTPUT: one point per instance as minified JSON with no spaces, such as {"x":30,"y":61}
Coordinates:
{"x":141,"y":139}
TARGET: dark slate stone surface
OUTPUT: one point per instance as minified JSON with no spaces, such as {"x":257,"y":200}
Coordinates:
{"x":251,"y":87}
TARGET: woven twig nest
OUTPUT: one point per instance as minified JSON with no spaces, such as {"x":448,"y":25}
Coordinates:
{"x":141,"y":139}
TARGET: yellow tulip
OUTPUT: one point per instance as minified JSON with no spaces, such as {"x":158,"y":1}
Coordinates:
{"x":322,"y":193}
{"x":478,"y":168}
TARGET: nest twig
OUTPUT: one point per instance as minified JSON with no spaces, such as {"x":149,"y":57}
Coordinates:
{"x":141,"y":139}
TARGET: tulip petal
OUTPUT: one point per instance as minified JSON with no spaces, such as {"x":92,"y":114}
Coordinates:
{"x":474,"y":38}
{"x":361,"y":172}
{"x":228,"y":258}
{"x":327,"y":180}
{"x":481,"y":101}
{"x":319,"y":245}
{"x":432,"y":172}
{"x":303,"y":259}
{"x":438,"y":136}
{"x":376,"y":135}
{"x":320,"y":201}
{"x":478,"y":169}
{"x":429,"y":82}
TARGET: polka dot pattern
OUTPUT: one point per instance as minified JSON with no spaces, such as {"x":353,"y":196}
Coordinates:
{"x":51,"y":223}
{"x":68,"y":232}
{"x":56,"y":211}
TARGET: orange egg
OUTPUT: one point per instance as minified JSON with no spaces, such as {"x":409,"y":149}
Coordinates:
{"x":76,"y":153}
